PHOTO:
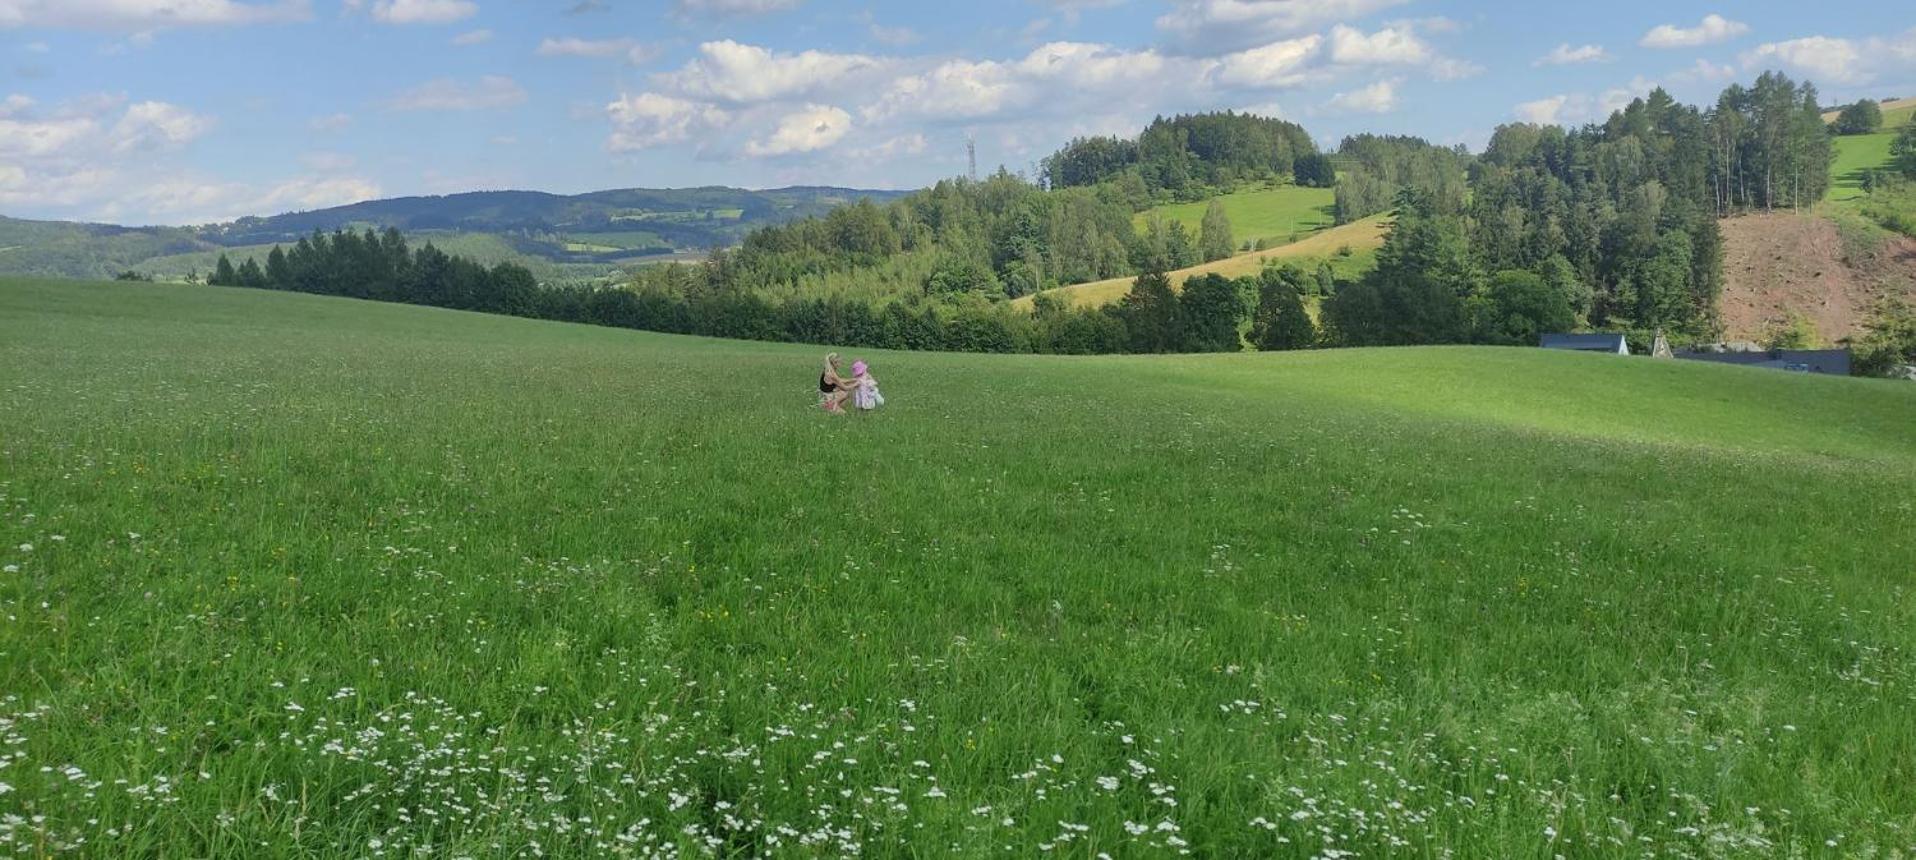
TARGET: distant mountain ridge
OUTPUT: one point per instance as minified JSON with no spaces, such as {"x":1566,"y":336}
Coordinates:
{"x":562,"y":237}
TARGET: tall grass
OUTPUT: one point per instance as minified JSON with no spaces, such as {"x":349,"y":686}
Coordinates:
{"x":288,"y":576}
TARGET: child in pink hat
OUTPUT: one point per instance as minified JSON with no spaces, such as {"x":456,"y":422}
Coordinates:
{"x":865,"y":396}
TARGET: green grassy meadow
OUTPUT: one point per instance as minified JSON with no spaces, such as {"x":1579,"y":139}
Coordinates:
{"x":1285,"y":213}
{"x":291,"y":576}
{"x":1861,"y":153}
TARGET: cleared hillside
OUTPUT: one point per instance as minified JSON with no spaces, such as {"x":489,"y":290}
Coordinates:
{"x":293,"y":576}
{"x":1829,"y":269}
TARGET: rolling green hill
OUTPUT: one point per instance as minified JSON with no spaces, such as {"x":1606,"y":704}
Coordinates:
{"x":488,"y":249}
{"x":294,"y":576}
{"x":1284,"y":214}
{"x":1360,"y":239}
{"x":562,"y":239}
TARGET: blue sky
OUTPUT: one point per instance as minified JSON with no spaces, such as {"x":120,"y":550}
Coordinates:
{"x":189,"y":111}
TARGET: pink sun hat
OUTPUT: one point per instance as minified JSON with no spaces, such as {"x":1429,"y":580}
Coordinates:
{"x":858,"y":368}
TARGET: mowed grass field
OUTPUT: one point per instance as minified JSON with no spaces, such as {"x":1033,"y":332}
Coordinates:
{"x":289,"y":576}
{"x":1858,"y":154}
{"x":1262,"y":213}
{"x":1361,"y":239}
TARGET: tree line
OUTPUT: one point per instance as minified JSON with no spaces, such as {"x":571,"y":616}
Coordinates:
{"x":1206,"y":316}
{"x":1190,"y":157}
{"x":382,"y":267}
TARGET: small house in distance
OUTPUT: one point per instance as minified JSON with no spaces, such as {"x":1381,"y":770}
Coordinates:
{"x":1833,"y":362}
{"x":1613,"y":344}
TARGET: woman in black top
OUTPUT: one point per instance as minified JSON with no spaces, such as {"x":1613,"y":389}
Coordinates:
{"x":833,"y":389}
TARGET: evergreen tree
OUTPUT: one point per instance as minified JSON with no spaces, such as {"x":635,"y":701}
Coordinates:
{"x":1315,"y":171}
{"x":1281,"y":322}
{"x":279,"y":274}
{"x":250,"y":274}
{"x":1152,"y":315}
{"x":223,"y":274}
{"x":1326,"y":280}
{"x":1211,"y":309}
{"x":1214,"y":234}
{"x":1178,"y":250}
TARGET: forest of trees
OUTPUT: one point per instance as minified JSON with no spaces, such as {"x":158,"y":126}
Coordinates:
{"x":1190,"y":157}
{"x":380,"y":266}
{"x":1610,"y":225}
{"x":1377,"y":168}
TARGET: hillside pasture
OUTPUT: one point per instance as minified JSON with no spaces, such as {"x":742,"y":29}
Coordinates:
{"x":1283,"y":213}
{"x":1860,"y":153}
{"x":291,"y":576}
{"x":1361,"y":239}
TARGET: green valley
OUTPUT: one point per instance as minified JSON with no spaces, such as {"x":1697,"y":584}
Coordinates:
{"x":290,"y":575}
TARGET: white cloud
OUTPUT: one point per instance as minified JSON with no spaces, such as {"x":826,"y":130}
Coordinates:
{"x":1380,"y":97}
{"x":22,"y":138}
{"x":1704,"y":70}
{"x":146,"y":14}
{"x":728,"y":71}
{"x":423,"y":11}
{"x":1211,"y":27}
{"x":446,"y":94}
{"x":1279,"y":64}
{"x":808,"y":130}
{"x":1056,"y":78}
{"x":574,"y":47}
{"x":158,"y":125}
{"x":1565,"y":55}
{"x":1085,"y":65}
{"x":1713,"y":29}
{"x":1543,"y":111}
{"x":959,"y":89}
{"x":472,"y":37}
{"x":317,"y":193}
{"x":1390,"y":46}
{"x":650,"y":119}
{"x":1396,"y":45}
{"x":101,"y":157}
{"x":1577,"y":108}
{"x":197,"y":200}
{"x":1839,"y":61}
{"x":1271,"y":110}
